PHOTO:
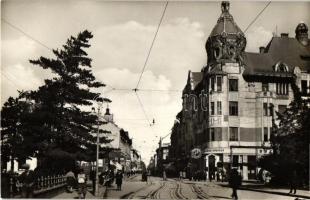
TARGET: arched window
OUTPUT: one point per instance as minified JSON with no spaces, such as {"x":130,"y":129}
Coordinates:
{"x":281,"y":67}
{"x":217,"y":53}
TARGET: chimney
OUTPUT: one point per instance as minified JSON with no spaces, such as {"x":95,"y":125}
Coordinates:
{"x":284,"y":35}
{"x":261,"y":49}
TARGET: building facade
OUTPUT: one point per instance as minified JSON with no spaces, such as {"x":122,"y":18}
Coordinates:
{"x":229,"y":107}
{"x":120,"y":148}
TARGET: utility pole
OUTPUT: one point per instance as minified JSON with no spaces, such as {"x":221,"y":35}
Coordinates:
{"x":97,"y":147}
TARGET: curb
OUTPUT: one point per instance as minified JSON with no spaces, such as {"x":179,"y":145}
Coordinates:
{"x":270,"y":192}
{"x":274,"y":192}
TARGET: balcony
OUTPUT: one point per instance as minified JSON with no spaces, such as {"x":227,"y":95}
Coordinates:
{"x":215,"y":120}
{"x":266,"y":94}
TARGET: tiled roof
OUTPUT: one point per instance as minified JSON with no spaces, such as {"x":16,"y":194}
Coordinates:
{"x":225,"y":24}
{"x":280,"y":49}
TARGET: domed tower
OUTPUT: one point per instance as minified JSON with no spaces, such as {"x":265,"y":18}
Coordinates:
{"x":226,"y":42}
{"x":301,"y":32}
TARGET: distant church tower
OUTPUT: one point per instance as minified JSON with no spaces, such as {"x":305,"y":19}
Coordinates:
{"x":108,"y":116}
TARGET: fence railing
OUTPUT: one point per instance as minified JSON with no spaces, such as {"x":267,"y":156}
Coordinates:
{"x":41,"y":184}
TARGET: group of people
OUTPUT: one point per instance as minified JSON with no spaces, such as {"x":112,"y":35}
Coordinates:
{"x":79,"y":181}
{"x":107,"y":178}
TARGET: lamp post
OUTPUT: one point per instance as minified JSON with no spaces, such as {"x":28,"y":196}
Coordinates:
{"x":97,"y":145}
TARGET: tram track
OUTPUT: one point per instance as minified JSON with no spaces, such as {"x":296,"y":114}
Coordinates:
{"x":155,"y":194}
{"x":132,"y":194}
{"x":199,"y":192}
{"x":178,"y":191}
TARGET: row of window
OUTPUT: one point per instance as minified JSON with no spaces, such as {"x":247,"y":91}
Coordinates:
{"x":216,"y":84}
{"x":281,"y":88}
{"x":218,"y":108}
{"x":234,"y":135}
{"x":233,"y":108}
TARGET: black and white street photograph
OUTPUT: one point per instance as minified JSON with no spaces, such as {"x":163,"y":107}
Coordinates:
{"x":155,"y":99}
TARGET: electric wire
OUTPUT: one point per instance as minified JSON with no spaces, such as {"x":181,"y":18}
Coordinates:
{"x":149,"y":52}
{"x":141,"y":104}
{"x":7,"y":77}
{"x":26,"y":34}
{"x":112,"y":88}
{"x":252,"y":22}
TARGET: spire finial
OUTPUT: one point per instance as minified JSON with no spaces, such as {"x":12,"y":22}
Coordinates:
{"x":225,"y":6}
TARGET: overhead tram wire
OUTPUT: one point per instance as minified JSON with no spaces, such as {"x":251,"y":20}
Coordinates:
{"x":141,"y":104}
{"x":26,"y":34}
{"x":112,"y":88}
{"x":149,"y":52}
{"x":10,"y":80}
{"x":252,"y":22}
{"x":47,"y":47}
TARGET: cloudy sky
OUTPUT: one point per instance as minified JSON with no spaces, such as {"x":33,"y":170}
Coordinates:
{"x":123,"y":32}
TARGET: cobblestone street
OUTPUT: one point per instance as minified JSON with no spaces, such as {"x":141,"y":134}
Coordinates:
{"x":156,"y":188}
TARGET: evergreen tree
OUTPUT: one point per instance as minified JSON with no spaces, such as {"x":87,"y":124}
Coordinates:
{"x":15,"y":143}
{"x":59,"y":120}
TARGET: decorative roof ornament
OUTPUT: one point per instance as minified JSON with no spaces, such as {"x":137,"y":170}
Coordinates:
{"x":226,"y":42}
{"x":301,"y":32}
{"x":225,"y":6}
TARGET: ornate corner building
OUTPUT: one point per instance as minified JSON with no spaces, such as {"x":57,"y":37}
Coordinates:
{"x":229,"y":107}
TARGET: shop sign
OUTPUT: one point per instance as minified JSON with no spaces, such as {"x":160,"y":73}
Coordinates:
{"x":214,"y":151}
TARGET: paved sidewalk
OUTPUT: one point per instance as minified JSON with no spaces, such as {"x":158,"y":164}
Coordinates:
{"x":259,"y":187}
{"x":89,"y":194}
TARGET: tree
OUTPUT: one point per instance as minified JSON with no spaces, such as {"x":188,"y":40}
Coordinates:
{"x":60,"y":120}
{"x":15,"y":143}
{"x":290,"y":140}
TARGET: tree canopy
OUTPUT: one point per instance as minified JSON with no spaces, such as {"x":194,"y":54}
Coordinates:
{"x":59,"y":116}
{"x":290,"y":140}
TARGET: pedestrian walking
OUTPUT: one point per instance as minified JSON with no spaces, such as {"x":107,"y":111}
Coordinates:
{"x":71,"y":181}
{"x":27,"y":182}
{"x":234,"y":182}
{"x":119,"y":179}
{"x":92,"y":177}
{"x":210,"y":176}
{"x":144,"y":176}
{"x":164,"y":175}
{"x":82,"y":184}
{"x":217,"y":176}
{"x":111,"y":177}
{"x":180,"y":175}
{"x":148,"y":177}
{"x":293,"y":182}
{"x":101,"y":178}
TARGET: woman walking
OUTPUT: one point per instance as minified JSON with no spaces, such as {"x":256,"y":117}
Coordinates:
{"x":82,"y":184}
